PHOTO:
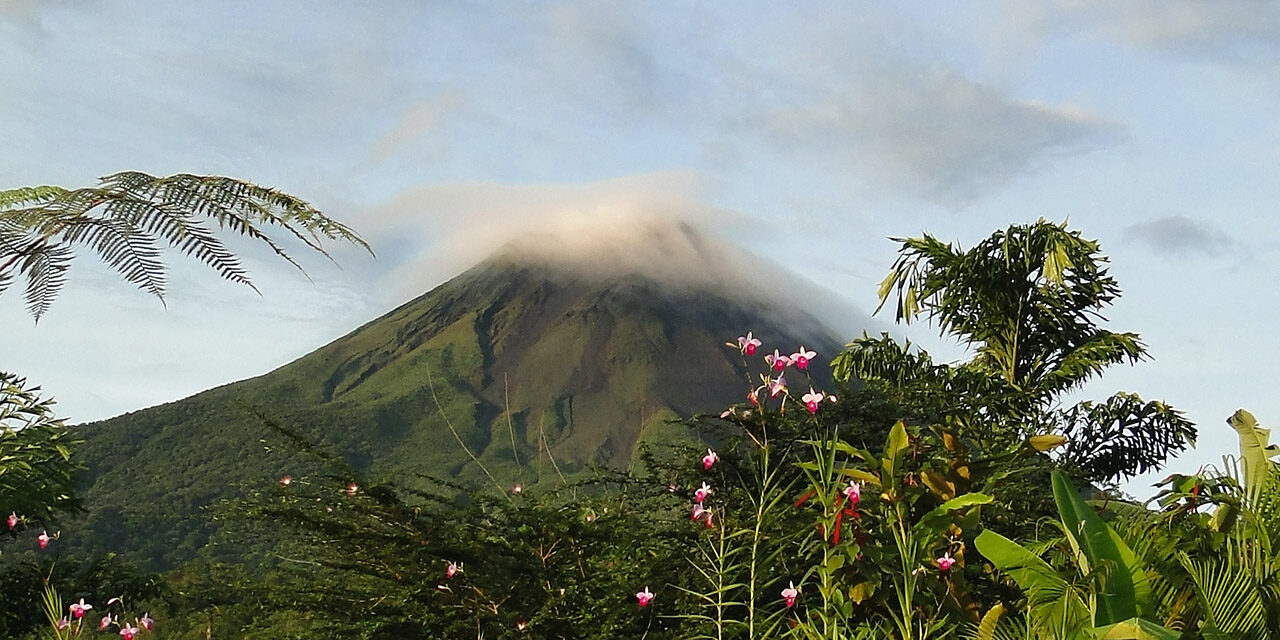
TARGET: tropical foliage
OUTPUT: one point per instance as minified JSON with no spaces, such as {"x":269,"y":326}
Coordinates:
{"x":908,"y":500}
{"x":36,"y":471}
{"x":1028,"y":301}
{"x":126,"y":220}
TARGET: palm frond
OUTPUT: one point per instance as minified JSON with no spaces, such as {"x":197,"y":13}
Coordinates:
{"x":1123,"y":436}
{"x":1229,"y":597}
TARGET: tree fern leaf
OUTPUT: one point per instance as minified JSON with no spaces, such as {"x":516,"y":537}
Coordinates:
{"x":128,"y":215}
{"x":132,"y":253}
{"x":27,"y":196}
{"x":45,"y":269}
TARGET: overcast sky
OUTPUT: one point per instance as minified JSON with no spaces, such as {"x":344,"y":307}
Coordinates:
{"x":805,"y":132}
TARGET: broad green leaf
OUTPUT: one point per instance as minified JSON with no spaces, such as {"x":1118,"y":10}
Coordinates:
{"x":895,"y":447}
{"x":1056,"y":261}
{"x":1047,"y":442}
{"x":932,"y":523}
{"x":1136,"y":629}
{"x":886,"y":285}
{"x":1255,"y":449}
{"x":1224,"y":517}
{"x":938,"y":484}
{"x":1057,"y":600}
{"x":1124,"y":591}
{"x":862,"y":591}
{"x":987,"y":626}
{"x":859,"y":475}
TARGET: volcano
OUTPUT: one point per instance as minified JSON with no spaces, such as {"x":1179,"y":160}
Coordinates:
{"x":522,"y":367}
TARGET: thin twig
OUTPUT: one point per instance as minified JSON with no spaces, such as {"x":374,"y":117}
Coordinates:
{"x":431,"y":385}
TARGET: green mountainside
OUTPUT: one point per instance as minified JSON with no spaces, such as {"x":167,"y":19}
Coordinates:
{"x":529,"y":365}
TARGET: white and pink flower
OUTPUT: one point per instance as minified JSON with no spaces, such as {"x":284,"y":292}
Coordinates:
{"x":13,"y":520}
{"x":748,"y":344}
{"x":709,"y":459}
{"x":790,"y":594}
{"x":146,"y":622}
{"x":78,"y":609}
{"x":812,"y":399}
{"x":777,"y":360}
{"x":128,"y":632}
{"x":702,"y":493}
{"x":946,"y":562}
{"x":644,"y":597}
{"x":44,"y":539}
{"x":451,"y":570}
{"x":777,"y":386}
{"x":853,"y":493}
{"x":802,"y":357}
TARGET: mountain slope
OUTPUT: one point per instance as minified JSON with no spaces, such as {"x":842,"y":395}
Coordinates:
{"x":522,"y":361}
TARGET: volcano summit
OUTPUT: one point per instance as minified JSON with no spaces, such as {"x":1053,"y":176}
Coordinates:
{"x":526,"y":362}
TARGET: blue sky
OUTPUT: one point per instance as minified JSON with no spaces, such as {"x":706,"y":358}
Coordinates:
{"x":806,"y":132}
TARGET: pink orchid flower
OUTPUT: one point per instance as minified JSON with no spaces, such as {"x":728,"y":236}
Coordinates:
{"x":452,"y":569}
{"x":702,"y":493}
{"x":709,"y":459}
{"x":748,"y":344}
{"x":710,"y":524}
{"x":105,"y":622}
{"x":146,"y":621}
{"x":777,"y":386}
{"x":777,"y":360}
{"x":853,"y":493}
{"x":78,"y":609}
{"x":802,"y":357}
{"x":697,"y":511}
{"x":128,"y":632}
{"x":62,"y":624}
{"x":946,"y":561}
{"x":644,"y":597}
{"x":43,"y":539}
{"x":13,"y":520}
{"x":286,"y":479}
{"x":790,"y":594}
{"x":812,"y":399}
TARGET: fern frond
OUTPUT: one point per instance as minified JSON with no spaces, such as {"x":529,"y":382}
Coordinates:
{"x":46,"y":267}
{"x":25,"y":196}
{"x":130,"y":217}
{"x":131,"y":252}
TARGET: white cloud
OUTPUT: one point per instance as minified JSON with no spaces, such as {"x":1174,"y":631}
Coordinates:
{"x":1180,"y":236}
{"x":655,"y":225}
{"x":1231,"y":31}
{"x":864,"y":96}
{"x":932,"y":133}
{"x":420,"y":119}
